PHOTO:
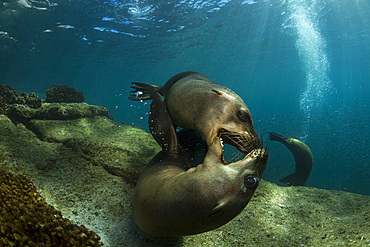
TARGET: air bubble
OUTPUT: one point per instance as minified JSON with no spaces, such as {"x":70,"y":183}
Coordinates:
{"x":138,"y":93}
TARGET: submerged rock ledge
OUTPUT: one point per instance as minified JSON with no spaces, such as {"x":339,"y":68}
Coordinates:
{"x":87,"y":166}
{"x":55,"y":111}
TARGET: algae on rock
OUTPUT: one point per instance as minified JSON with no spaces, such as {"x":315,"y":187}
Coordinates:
{"x":122,"y":150}
{"x":55,"y":111}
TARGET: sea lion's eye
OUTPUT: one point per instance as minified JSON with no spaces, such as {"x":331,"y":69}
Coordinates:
{"x":250,"y":182}
{"x":243,"y":116}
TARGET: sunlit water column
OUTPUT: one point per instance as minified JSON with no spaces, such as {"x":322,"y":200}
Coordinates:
{"x":303,"y":18}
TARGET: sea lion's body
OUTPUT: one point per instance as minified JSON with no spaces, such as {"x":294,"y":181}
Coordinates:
{"x":195,"y":102}
{"x":303,"y":159}
{"x":171,"y":200}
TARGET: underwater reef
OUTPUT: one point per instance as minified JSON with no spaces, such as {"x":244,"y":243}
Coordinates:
{"x":9,"y":96}
{"x":86,"y":165}
{"x":22,"y":107}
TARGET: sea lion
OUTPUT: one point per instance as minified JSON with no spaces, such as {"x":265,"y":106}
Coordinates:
{"x":171,"y":200}
{"x":303,"y":159}
{"x":195,"y":102}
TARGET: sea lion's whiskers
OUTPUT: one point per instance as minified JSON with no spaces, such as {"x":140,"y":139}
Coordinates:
{"x":242,"y":142}
{"x":261,"y":139}
{"x":235,"y":156}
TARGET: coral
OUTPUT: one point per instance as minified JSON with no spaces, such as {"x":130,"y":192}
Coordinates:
{"x":32,"y":100}
{"x":26,"y":219}
{"x":63,"y":93}
{"x":7,"y":96}
{"x":3,"y":106}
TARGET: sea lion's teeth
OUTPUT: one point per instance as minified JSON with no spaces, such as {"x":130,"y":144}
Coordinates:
{"x":222,"y":142}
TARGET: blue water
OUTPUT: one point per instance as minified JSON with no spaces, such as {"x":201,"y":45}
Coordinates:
{"x":301,"y":66}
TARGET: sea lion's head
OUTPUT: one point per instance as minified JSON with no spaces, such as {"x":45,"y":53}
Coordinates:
{"x":230,"y":119}
{"x":241,"y":177}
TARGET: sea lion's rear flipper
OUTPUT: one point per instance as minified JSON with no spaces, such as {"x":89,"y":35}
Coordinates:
{"x":161,"y":126}
{"x":143,"y":91}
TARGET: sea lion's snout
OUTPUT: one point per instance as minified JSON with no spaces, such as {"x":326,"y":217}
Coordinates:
{"x":259,"y":153}
{"x":256,"y":160}
{"x":246,"y":142}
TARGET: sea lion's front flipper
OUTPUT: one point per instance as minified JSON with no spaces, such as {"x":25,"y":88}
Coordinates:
{"x":143,"y":91}
{"x":161,"y":126}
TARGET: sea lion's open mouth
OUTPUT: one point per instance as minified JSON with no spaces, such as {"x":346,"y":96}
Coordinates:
{"x":245,"y":143}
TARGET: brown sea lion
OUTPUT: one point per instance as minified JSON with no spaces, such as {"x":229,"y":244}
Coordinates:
{"x":170,"y":200}
{"x":195,"y":102}
{"x":303,"y":159}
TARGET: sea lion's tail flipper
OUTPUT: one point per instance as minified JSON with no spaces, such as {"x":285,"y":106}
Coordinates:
{"x":274,"y":136}
{"x":161,"y":126}
{"x":143,"y":91}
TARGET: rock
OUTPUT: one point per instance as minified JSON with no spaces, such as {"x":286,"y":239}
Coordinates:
{"x":22,"y":107}
{"x":72,"y":161}
{"x":55,"y":111}
{"x":122,"y":150}
{"x":63,"y":94}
